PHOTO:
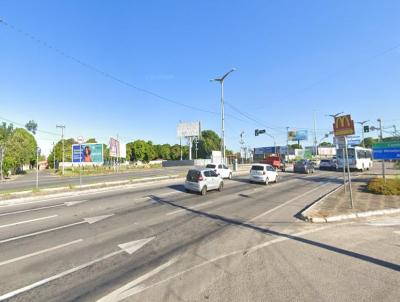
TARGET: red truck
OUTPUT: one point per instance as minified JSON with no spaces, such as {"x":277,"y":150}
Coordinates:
{"x":275,"y":161}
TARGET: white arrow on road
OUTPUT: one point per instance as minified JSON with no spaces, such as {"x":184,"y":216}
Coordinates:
{"x":89,"y":220}
{"x":128,"y":247}
{"x":67,"y":203}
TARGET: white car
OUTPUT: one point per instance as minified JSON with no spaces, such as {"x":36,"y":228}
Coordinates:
{"x":203,"y":180}
{"x":263,"y":173}
{"x":221,"y":169}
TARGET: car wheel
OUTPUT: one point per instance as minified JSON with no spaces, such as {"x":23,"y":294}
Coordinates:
{"x":221,"y":186}
{"x":230,"y":176}
{"x":204,"y":191}
{"x":187,"y":190}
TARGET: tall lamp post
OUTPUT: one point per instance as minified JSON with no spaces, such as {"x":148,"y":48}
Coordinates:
{"x":362,"y":131}
{"x":221,"y":81}
{"x":62,"y":127}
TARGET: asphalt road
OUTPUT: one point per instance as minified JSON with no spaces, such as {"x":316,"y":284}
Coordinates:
{"x":48,"y":179}
{"x":157,"y":243}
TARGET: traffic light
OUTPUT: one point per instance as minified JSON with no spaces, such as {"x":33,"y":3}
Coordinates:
{"x":259,"y":131}
{"x":256,"y":132}
{"x":366,"y":129}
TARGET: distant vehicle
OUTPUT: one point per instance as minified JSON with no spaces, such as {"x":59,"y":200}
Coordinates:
{"x":203,"y":180}
{"x":263,"y":173}
{"x":303,"y":166}
{"x":328,"y":164}
{"x":360,"y":159}
{"x":275,"y":161}
{"x":221,"y":169}
{"x":316,"y":163}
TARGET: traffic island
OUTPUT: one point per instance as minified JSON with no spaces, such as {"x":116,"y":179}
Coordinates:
{"x":335,"y":206}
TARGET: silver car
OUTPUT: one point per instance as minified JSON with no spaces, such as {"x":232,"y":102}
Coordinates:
{"x":203,"y":180}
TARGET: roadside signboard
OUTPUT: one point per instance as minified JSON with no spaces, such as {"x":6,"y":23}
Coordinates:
{"x":87,"y":153}
{"x":353,"y":140}
{"x":386,"y":150}
{"x":340,"y":141}
{"x":114,"y":147}
{"x":264,"y":150}
{"x":343,"y":125}
{"x":299,"y":135}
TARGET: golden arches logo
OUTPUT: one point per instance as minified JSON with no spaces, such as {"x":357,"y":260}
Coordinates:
{"x":343,"y":121}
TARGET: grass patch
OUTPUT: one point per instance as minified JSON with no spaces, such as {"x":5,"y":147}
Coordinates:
{"x":378,"y":186}
{"x":35,"y":190}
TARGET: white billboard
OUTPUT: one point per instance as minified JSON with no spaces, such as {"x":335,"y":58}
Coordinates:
{"x":188,"y":129}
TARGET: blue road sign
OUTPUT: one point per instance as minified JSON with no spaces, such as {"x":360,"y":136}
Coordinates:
{"x":391,"y":153}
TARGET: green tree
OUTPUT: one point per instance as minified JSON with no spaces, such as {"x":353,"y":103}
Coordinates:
{"x":326,"y":144}
{"x":368,"y":142}
{"x":57,"y":152}
{"x":91,"y":141}
{"x":296,"y":146}
{"x":150,"y":152}
{"x":208,"y":142}
{"x":31,"y":126}
{"x":20,"y":149}
{"x":138,"y":150}
{"x":165,"y":152}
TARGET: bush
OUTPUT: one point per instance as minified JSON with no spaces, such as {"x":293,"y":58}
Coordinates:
{"x":378,"y":186}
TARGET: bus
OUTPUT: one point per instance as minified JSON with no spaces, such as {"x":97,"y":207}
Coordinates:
{"x":360,"y":159}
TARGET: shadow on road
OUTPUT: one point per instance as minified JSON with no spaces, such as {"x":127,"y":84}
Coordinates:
{"x":227,"y":220}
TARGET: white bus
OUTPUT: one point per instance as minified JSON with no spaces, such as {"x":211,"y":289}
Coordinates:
{"x":360,"y":159}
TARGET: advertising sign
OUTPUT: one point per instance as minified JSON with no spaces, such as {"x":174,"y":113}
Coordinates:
{"x":299,"y":135}
{"x":114,"y":147}
{"x":264,"y":150}
{"x":343,"y":125}
{"x":353,"y":140}
{"x":87,"y":153}
{"x":188,"y":129}
{"x":386,"y":150}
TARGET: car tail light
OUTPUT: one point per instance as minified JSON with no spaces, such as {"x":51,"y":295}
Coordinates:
{"x":200,"y":178}
{"x":264,"y":173}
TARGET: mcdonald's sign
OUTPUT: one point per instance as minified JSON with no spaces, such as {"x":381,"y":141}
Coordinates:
{"x":343,"y":125}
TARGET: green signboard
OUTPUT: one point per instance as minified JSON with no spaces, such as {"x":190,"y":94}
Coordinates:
{"x":395,"y":144}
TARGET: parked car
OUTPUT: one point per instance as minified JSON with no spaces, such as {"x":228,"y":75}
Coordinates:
{"x":263,"y":173}
{"x":221,"y":169}
{"x":328,"y":164}
{"x":303,"y":166}
{"x":316,"y":163}
{"x":203,"y":180}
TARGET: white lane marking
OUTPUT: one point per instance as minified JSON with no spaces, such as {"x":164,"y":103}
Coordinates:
{"x":68,"y":204}
{"x":89,"y":220}
{"x":141,"y":288}
{"x":40,"y":252}
{"x":285,"y":203}
{"x":190,"y":208}
{"x":73,"y":203}
{"x":60,"y":275}
{"x":32,"y":210}
{"x":27,"y":221}
{"x":397,"y":232}
{"x":12,"y":204}
{"x":130,"y":289}
{"x":133,"y":246}
{"x":385,"y":223}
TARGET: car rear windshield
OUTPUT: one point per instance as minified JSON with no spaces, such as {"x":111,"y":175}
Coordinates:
{"x":193,"y":175}
{"x":257,"y":168}
{"x":210,"y":166}
{"x":325,"y":161}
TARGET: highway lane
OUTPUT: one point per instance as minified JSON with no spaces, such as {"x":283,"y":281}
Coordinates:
{"x":46,"y":179}
{"x":140,"y":238}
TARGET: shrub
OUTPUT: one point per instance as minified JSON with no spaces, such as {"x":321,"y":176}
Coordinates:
{"x":378,"y":186}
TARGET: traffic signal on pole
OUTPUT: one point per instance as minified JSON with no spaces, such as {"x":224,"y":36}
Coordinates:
{"x":366,"y":129}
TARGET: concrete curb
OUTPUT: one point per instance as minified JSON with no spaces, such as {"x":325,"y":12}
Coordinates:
{"x":353,"y":216}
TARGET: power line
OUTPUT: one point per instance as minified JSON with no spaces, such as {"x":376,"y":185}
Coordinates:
{"x":100,"y":71}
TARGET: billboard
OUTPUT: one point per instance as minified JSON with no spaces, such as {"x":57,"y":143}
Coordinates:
{"x":190,"y":129}
{"x":114,"y":147}
{"x":343,"y":125}
{"x":299,"y":135}
{"x":264,"y":150}
{"x":87,"y":153}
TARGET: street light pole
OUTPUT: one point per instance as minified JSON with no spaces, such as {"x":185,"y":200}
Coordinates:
{"x":362,"y":131}
{"x":221,"y":81}
{"x":381,"y":139}
{"x":62,"y":127}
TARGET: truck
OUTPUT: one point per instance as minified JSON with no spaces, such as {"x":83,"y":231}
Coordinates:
{"x":276,"y":161}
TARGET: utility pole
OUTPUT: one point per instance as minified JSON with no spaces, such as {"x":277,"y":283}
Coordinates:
{"x":381,"y":139}
{"x":54,"y":157}
{"x":62,"y":127}
{"x":180,"y":144}
{"x":315,"y":134}
{"x":287,"y":140}
{"x":241,"y":144}
{"x":1,"y":162}
{"x":37,"y":167}
{"x":221,"y":81}
{"x":362,"y":131}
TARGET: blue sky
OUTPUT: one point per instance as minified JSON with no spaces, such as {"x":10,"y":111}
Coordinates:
{"x":293,"y":58}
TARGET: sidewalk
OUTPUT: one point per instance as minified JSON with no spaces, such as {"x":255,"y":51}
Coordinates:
{"x":336,"y":205}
